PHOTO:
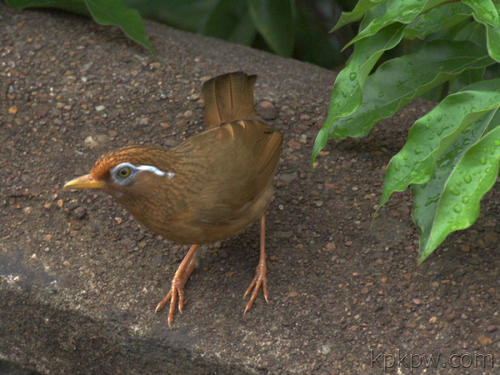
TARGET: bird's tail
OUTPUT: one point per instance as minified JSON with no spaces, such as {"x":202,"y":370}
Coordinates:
{"x":229,"y":97}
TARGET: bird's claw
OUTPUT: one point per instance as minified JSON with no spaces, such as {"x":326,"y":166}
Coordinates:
{"x":258,"y":281}
{"x":176,"y":296}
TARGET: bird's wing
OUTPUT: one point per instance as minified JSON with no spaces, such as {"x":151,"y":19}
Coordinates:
{"x":234,"y":166}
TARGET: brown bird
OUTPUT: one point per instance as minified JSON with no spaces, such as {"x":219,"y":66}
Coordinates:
{"x":208,"y":188}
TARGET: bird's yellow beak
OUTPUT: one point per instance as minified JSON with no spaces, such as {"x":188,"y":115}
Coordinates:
{"x":84,"y":182}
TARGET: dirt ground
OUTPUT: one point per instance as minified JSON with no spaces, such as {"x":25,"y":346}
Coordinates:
{"x":344,"y":297}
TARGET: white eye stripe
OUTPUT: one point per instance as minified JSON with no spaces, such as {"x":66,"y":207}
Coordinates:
{"x":131,"y":170}
{"x":150,"y":168}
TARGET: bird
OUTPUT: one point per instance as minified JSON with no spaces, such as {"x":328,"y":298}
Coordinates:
{"x":209,"y":187}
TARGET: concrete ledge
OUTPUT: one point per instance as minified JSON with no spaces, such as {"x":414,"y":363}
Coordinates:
{"x":79,"y":278}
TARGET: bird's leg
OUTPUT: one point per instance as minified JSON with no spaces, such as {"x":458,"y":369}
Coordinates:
{"x":260,"y":273}
{"x":176,"y":289}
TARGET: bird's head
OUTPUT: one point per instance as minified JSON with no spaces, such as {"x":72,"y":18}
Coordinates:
{"x":126,"y":172}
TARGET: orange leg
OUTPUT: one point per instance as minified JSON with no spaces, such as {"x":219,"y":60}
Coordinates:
{"x":176,"y":289}
{"x":260,"y":273}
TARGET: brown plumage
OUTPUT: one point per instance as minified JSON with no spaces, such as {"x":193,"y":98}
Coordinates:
{"x":209,"y":187}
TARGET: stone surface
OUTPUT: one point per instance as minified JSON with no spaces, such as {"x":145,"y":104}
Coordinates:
{"x":79,"y":277}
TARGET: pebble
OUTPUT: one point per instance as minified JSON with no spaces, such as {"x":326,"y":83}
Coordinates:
{"x":170,"y":142}
{"x":325,"y":349}
{"x":283,"y":234}
{"x":79,"y":213}
{"x":100,"y":108}
{"x":40,"y":111}
{"x":90,"y":142}
{"x":483,"y":340}
{"x":101,"y":138}
{"x":266,"y":110}
{"x":330,"y":246}
{"x":294,"y":144}
{"x":288,"y":177}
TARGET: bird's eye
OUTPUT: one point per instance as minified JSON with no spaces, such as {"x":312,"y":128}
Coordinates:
{"x":124,"y":172}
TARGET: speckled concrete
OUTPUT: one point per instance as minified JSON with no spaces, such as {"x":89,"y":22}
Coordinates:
{"x":79,"y":277}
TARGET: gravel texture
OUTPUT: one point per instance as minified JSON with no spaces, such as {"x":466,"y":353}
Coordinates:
{"x":79,"y":277}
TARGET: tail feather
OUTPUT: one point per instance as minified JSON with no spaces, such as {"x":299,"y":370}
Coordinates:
{"x":229,"y":97}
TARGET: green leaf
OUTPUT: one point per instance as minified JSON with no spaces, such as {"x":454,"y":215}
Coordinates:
{"x":359,"y":10}
{"x":473,"y":32}
{"x":484,"y":12}
{"x":190,"y":15}
{"x":466,"y":78}
{"x":74,"y":6}
{"x":395,"y":11}
{"x":230,"y":20}
{"x":109,"y":12}
{"x":273,"y":19}
{"x":449,"y":201}
{"x":434,"y":132}
{"x":313,"y":43}
{"x":400,"y":80}
{"x":115,"y":12}
{"x":347,"y":90}
{"x":493,"y":42}
{"x":438,"y":18}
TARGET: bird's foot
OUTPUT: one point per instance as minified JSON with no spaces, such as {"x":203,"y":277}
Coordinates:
{"x":258,"y":281}
{"x":176,"y":296}
{"x":177,"y":287}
